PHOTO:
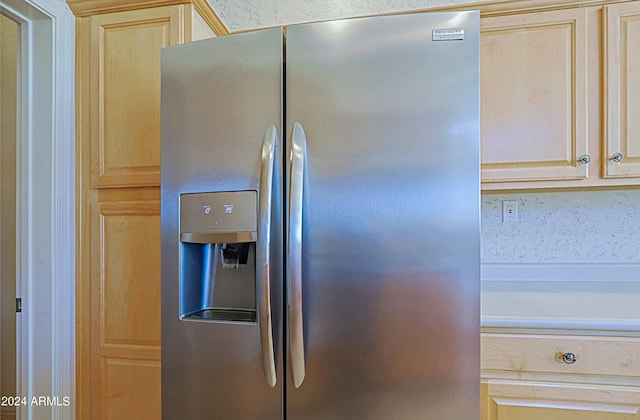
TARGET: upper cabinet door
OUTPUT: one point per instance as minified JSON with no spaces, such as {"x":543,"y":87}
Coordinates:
{"x":125,"y":94}
{"x":622,"y":84}
{"x":534,"y":96}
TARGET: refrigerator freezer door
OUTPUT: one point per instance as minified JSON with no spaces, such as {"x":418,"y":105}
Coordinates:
{"x":390,"y":221}
{"x":220,"y":99}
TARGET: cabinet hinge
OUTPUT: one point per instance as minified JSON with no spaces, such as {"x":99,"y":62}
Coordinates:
{"x":18,"y":304}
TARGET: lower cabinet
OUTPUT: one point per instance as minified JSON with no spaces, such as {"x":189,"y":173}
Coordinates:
{"x":559,"y":377}
{"x":531,"y":400}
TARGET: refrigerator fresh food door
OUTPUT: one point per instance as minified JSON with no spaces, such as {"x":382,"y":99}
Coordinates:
{"x":389,"y":218}
{"x":222,"y":229}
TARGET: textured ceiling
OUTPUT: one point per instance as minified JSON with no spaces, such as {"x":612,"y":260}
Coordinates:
{"x":251,"y":14}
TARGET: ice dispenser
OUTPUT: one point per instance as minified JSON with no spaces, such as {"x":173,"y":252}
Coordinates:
{"x":218,"y":233}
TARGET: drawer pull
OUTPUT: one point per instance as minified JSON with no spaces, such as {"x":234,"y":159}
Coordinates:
{"x":569,"y":358}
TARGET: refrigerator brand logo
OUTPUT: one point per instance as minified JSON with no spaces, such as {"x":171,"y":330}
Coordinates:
{"x":449,"y":34}
{"x":207,"y":209}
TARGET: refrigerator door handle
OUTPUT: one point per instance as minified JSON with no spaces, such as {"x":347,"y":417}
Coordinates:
{"x":269,"y":147}
{"x":296,"y":334}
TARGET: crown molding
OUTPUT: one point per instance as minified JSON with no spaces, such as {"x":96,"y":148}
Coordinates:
{"x":206,"y":11}
{"x":507,"y":7}
{"x":83,"y":8}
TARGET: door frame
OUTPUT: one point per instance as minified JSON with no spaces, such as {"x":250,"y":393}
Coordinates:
{"x":45,"y":208}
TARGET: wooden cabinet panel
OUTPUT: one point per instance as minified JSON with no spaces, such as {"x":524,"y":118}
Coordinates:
{"x":543,"y":353}
{"x":125,"y":295}
{"x":128,"y":278}
{"x":125,"y":101}
{"x":123,"y":381}
{"x":522,"y":400}
{"x":533,"y":96}
{"x":622,"y":84}
{"x":524,"y":377}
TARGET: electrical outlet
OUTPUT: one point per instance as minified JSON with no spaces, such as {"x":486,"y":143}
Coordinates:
{"x":509,"y":211}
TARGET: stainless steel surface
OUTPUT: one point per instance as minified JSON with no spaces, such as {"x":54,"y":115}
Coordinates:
{"x":617,"y":157}
{"x":390,"y":224}
{"x":584,"y":159}
{"x":209,"y":269}
{"x":269,"y":150}
{"x":569,"y":358}
{"x":294,"y":274}
{"x":218,"y":237}
{"x":218,"y":97}
{"x":388,"y":233}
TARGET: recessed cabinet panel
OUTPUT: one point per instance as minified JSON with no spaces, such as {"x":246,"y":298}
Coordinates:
{"x":622,"y":51}
{"x":533,"y":104}
{"x":125,"y":296}
{"x":131,"y":389}
{"x":125,"y":73}
{"x":524,"y":400}
{"x":128,"y":277}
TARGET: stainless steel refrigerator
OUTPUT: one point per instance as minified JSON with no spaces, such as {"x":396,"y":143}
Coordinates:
{"x":320,"y":221}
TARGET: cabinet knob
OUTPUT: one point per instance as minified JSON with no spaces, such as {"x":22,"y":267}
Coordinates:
{"x":584,"y":159}
{"x":569,"y":358}
{"x":617,"y":157}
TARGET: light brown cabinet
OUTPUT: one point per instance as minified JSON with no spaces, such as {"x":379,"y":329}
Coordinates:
{"x":560,"y":377}
{"x":533,"y":400}
{"x":534,"y":95}
{"x":118,"y":279}
{"x":124,"y":100}
{"x":622,"y":87}
{"x":559,"y":90}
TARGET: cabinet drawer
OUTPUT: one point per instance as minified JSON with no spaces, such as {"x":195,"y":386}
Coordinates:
{"x":614,"y":356}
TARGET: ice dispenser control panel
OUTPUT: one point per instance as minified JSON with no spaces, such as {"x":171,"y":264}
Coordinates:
{"x":218,"y":233}
{"x":218,"y":212}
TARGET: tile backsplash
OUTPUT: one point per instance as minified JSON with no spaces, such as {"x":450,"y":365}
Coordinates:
{"x":563,"y":227}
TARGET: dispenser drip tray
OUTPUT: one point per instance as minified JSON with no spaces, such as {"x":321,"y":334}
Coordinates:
{"x":234,"y":315}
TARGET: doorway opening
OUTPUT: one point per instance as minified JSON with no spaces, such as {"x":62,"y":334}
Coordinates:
{"x":9,"y":71}
{"x":43,"y":201}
